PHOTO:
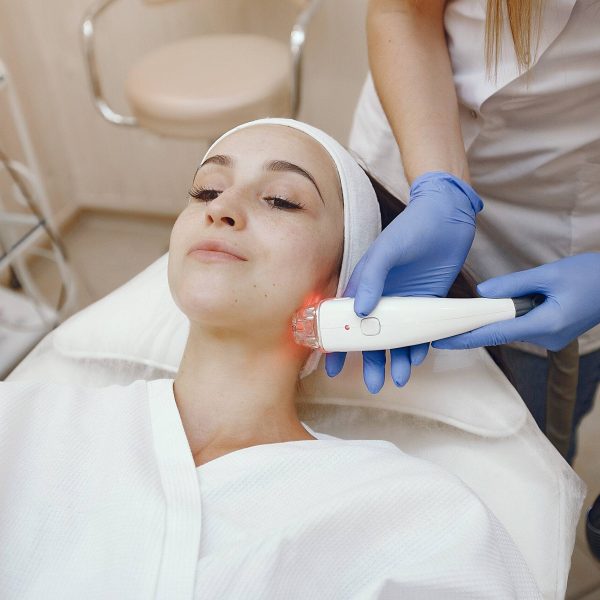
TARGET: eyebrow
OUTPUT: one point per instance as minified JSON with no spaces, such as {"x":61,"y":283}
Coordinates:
{"x":274,"y":165}
{"x":218,"y":159}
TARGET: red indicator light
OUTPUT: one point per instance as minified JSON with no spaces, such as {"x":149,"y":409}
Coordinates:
{"x":347,"y":327}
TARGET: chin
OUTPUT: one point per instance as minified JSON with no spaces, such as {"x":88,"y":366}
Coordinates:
{"x":211,"y":308}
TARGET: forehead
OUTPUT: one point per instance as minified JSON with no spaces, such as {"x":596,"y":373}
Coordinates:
{"x":261,"y":143}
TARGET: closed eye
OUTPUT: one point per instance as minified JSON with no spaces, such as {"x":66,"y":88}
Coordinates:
{"x":207,"y":194}
{"x":203,"y":194}
{"x":283,"y":203}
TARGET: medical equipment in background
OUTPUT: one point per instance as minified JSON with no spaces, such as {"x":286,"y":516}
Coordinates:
{"x":333,"y":326}
{"x":251,"y":76}
{"x":26,"y":317}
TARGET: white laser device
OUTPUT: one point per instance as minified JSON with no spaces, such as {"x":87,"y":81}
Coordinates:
{"x":333,"y":326}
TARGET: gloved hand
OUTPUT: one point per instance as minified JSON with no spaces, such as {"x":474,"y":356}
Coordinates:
{"x":572,"y":289}
{"x":419,"y":254}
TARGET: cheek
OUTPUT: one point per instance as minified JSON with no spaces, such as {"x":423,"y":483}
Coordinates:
{"x":177,"y":250}
{"x":302,"y":265}
{"x":178,"y":233}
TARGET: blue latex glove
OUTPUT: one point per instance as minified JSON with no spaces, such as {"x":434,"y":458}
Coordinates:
{"x":418,"y":254}
{"x":572,"y":289}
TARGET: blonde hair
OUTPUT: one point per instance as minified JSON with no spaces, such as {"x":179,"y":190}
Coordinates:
{"x":524,"y":20}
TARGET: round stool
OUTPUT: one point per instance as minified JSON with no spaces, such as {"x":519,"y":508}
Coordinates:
{"x":199,"y":87}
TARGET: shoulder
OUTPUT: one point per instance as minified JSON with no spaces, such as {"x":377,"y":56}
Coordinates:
{"x":32,"y":391}
{"x":412,"y":516}
{"x":382,"y":464}
{"x":54,"y":423}
{"x":40,"y":406}
{"x":425,"y":492}
{"x":427,"y":518}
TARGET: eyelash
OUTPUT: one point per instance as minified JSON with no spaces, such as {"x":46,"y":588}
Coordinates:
{"x":201,"y":194}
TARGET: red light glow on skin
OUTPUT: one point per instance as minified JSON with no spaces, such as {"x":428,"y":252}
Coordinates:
{"x":311,"y":299}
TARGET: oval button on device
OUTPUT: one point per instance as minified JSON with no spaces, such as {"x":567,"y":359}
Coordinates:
{"x":370,"y":326}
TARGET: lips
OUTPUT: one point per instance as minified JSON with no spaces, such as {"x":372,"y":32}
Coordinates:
{"x":217,"y":246}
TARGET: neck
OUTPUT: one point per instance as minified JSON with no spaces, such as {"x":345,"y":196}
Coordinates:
{"x":232,"y":394}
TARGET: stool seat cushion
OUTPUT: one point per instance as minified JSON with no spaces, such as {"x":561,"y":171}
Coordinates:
{"x":200,"y":87}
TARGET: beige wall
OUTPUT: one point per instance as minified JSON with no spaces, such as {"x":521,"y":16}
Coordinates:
{"x":87,"y":162}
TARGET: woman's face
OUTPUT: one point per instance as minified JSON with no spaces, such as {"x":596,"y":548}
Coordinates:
{"x":270,"y":195}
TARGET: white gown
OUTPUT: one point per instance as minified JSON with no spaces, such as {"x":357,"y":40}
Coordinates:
{"x":100,"y":499}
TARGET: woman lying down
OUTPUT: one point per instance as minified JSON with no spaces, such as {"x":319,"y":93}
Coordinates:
{"x":209,"y":486}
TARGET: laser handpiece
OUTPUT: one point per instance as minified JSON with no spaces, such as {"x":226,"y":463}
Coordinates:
{"x":333,"y":326}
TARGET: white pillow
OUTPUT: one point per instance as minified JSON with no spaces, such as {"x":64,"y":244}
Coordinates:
{"x":140,"y":323}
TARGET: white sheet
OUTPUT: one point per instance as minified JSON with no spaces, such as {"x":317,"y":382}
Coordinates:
{"x":100,"y":498}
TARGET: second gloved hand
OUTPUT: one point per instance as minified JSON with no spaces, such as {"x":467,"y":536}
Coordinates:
{"x":419,"y":253}
{"x":572,"y":289}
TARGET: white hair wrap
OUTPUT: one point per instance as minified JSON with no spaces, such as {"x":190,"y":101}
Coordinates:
{"x":362,"y":220}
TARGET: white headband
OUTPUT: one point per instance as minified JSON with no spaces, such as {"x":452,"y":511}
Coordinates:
{"x":362,"y":220}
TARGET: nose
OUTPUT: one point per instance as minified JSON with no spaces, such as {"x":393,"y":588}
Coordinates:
{"x":226,"y":210}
